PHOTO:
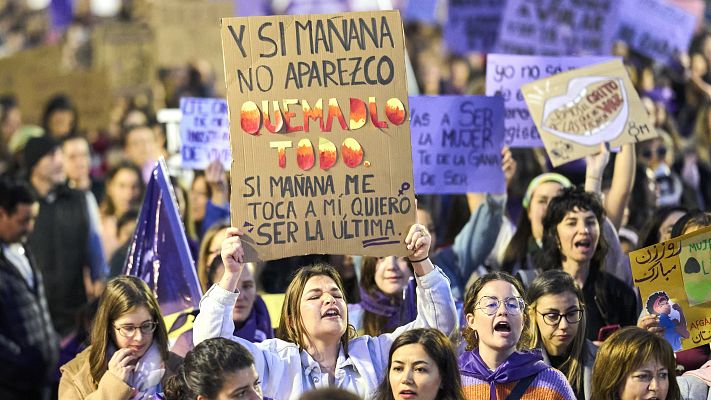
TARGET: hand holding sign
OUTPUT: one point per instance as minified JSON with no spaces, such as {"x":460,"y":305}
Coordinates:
{"x":233,"y":257}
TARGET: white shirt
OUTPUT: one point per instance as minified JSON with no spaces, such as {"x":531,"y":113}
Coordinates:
{"x":286,"y":372}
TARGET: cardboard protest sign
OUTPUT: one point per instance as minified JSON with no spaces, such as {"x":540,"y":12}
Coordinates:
{"x":188,"y":30}
{"x":456,"y":144}
{"x":577,"y":110}
{"x":36,"y":75}
{"x":561,"y":27}
{"x":506,"y":73}
{"x":655,"y":29}
{"x":674,"y":282}
{"x":320,"y":135}
{"x":204,"y":132}
{"x":472,"y":25}
{"x":125,"y":51}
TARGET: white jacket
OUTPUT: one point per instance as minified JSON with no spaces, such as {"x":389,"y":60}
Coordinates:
{"x":286,"y":372}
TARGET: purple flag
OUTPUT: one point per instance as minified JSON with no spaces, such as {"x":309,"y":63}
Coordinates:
{"x":61,"y":14}
{"x":160,"y":256}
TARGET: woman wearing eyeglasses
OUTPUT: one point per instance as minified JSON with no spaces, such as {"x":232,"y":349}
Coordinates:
{"x":556,"y":320}
{"x":128,"y":355}
{"x":493,"y":367}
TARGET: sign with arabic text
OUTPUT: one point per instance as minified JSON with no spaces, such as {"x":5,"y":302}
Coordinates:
{"x":674,"y":280}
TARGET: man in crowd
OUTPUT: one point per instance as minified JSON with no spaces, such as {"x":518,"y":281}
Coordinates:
{"x":28,"y":343}
{"x":73,"y":268}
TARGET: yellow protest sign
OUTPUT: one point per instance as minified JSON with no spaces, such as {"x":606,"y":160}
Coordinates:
{"x":320,"y":134}
{"x":577,"y":110}
{"x":673,"y":280}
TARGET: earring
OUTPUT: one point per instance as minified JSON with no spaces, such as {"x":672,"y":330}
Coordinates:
{"x":476,"y":335}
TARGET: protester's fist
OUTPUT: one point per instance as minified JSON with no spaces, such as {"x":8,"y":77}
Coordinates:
{"x":651,"y":323}
{"x":215,"y":175}
{"x":232,"y":251}
{"x":597,"y":162}
{"x":418,"y":242}
{"x":122,"y":364}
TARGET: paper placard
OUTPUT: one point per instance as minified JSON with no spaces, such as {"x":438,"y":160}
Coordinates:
{"x":456,"y":144}
{"x":320,"y":135}
{"x":655,"y":29}
{"x":577,"y":110}
{"x":204,"y":132}
{"x":674,"y":282}
{"x":472,"y":25}
{"x":552,"y":28}
{"x":506,"y":73}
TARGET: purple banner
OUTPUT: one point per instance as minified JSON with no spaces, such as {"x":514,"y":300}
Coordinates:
{"x":472,"y":25}
{"x":456,"y":144}
{"x":504,"y":76}
{"x":421,"y":11}
{"x":558,"y":27}
{"x":160,"y":256}
{"x":656,"y":29}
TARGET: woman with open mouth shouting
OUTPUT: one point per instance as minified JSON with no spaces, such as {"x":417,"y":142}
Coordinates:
{"x":572,"y":242}
{"x":492,"y":368}
{"x":317,"y":346}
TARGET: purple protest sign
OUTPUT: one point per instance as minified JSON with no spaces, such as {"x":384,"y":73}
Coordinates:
{"x":204,"y":132}
{"x":456,"y":144}
{"x":504,"y":76}
{"x":557,"y":28}
{"x":421,"y":11}
{"x":655,"y":29}
{"x":160,"y":256}
{"x":472,"y":25}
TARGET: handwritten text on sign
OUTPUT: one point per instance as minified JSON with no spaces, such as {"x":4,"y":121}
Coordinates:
{"x":656,"y":29}
{"x":204,"y":132}
{"x":504,"y":76}
{"x":473,"y":25}
{"x":456,"y":144}
{"x":556,"y":28}
{"x":673,"y":280}
{"x":320,"y":129}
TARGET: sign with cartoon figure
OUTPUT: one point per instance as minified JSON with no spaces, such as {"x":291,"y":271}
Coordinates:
{"x":674,"y":283}
{"x":577,"y":110}
{"x":319,"y":133}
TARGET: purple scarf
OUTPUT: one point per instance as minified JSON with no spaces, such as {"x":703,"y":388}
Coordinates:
{"x":398,"y":311}
{"x":257,"y":321}
{"x":519,"y":365}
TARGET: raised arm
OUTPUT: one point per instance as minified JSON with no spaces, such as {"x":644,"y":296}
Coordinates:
{"x":622,"y":182}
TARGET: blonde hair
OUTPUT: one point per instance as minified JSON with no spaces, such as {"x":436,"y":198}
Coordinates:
{"x":122,"y":295}
{"x":291,"y":325}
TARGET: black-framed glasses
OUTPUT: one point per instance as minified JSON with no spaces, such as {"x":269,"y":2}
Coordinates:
{"x":128,"y":331}
{"x":489,"y":305}
{"x":553,"y":318}
{"x":648,"y":153}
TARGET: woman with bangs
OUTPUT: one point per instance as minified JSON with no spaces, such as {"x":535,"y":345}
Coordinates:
{"x":317,"y":347}
{"x":556,"y":320}
{"x":572,"y":241}
{"x":386,"y":296}
{"x":494,"y":365}
{"x":635,"y":364}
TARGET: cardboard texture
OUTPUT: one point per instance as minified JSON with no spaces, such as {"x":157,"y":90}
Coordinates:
{"x":577,"y":110}
{"x":186,"y":30}
{"x":674,"y":282}
{"x":125,"y":51}
{"x":36,"y":75}
{"x":336,"y":177}
{"x":456,"y":144}
{"x":505,"y":73}
{"x":204,"y":133}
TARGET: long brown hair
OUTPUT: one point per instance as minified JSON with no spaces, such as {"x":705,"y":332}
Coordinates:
{"x":623,"y":353}
{"x":291,"y":325}
{"x":202,"y":262}
{"x":550,"y":283}
{"x":122,"y":295}
{"x":374,"y":324}
{"x":471,"y":299}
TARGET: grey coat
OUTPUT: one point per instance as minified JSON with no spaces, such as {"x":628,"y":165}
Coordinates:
{"x":588,"y":356}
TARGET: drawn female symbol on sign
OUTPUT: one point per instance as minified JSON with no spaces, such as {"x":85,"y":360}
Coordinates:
{"x":405,"y":186}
